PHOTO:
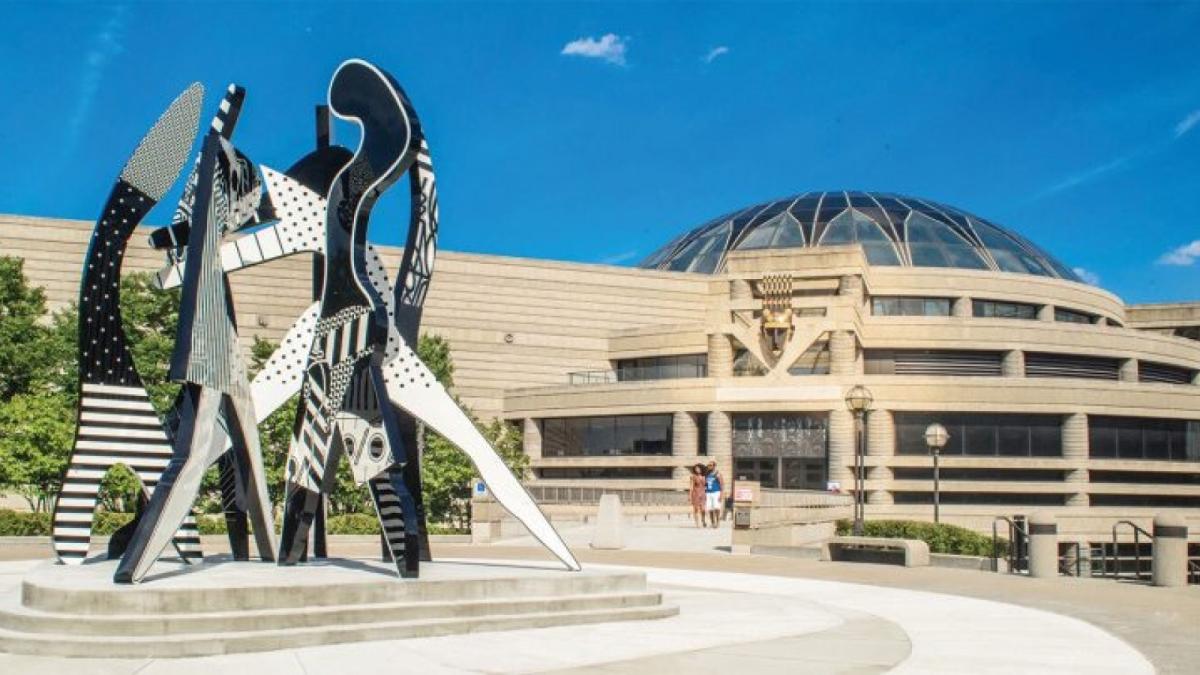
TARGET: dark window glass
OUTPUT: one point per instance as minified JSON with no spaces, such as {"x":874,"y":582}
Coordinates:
{"x":662,"y":368}
{"x":631,"y":473}
{"x":910,"y":306}
{"x":604,"y":436}
{"x":994,"y":309}
{"x":1071,"y":316}
{"x":1143,"y":438}
{"x":982,"y":434}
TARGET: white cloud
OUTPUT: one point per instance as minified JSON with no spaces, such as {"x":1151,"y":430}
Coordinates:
{"x":609,"y":47}
{"x":1087,"y":276}
{"x":107,"y":43}
{"x":618,"y":258}
{"x":1187,"y":123}
{"x":719,"y":50}
{"x":1183,"y":256}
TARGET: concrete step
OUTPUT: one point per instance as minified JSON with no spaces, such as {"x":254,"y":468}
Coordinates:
{"x":86,"y":591}
{"x":231,"y":642}
{"x":18,"y":618}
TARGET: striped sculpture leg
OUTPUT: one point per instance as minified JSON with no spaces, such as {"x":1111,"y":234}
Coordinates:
{"x":117,"y":425}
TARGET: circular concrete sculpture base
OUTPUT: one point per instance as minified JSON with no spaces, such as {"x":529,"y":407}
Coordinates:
{"x":222,"y":607}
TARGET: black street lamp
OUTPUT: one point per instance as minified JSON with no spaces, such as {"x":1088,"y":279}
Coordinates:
{"x":858,"y":400}
{"x":936,"y":438}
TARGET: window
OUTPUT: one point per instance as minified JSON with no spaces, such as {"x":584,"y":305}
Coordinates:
{"x":938,"y":362}
{"x":933,"y":243}
{"x":1144,"y":438}
{"x":662,"y":368}
{"x":814,"y":360}
{"x":1040,"y":364}
{"x":606,"y":436}
{"x":1149,"y":371}
{"x":910,"y":306}
{"x":1071,"y":316}
{"x":983,"y":434}
{"x":854,"y":227}
{"x":779,"y":435}
{"x":995,"y":309}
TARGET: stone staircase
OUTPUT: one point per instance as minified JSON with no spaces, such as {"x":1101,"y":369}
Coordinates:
{"x":246,"y":607}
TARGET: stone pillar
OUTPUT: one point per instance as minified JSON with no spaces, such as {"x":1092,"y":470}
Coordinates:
{"x":741,"y":289}
{"x":1043,"y":545}
{"x":881,"y":447}
{"x":962,"y":307}
{"x":843,"y":353}
{"x":720,"y":442}
{"x":851,"y":285}
{"x":841,"y":447}
{"x":1045,"y":313}
{"x":610,"y":523}
{"x":1129,"y":370}
{"x":1075,"y":449}
{"x":720,"y":356}
{"x":1014,"y":363}
{"x":1169,"y":566}
{"x":685,"y":438}
{"x":531,"y":439}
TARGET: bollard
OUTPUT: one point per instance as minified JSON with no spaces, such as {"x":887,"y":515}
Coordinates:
{"x":1043,"y":545}
{"x":609,"y":523}
{"x":1169,"y":566}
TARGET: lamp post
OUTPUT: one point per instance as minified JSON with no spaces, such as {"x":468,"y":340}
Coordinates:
{"x":936,"y":438}
{"x":858,"y":400}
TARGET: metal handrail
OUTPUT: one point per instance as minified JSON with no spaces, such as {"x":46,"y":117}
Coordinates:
{"x":1013,"y":556}
{"x":1193,"y":572}
{"x":1138,"y":532}
{"x":1062,"y":564}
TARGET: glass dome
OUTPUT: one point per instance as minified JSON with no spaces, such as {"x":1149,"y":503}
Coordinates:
{"x":893,"y":230}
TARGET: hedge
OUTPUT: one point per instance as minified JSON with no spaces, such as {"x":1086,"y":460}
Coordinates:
{"x":25,"y":524}
{"x":941,"y":538}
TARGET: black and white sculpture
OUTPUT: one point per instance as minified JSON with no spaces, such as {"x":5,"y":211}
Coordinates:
{"x":117,"y":424}
{"x":215,"y":404}
{"x":350,"y":356}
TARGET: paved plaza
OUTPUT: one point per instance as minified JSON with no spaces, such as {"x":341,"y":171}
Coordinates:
{"x":761,"y":614}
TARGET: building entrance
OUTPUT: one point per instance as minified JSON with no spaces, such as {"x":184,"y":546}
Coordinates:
{"x":781,"y":450}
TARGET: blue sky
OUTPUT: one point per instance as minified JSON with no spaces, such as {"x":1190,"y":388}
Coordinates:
{"x":596,"y":132}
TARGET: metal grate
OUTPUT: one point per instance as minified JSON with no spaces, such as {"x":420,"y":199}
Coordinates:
{"x":953,"y":363}
{"x":1068,"y":365}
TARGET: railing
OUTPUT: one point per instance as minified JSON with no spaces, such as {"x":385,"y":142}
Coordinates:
{"x":1115,"y":557}
{"x":1017,"y":556}
{"x":675,"y":371}
{"x":553,"y":494}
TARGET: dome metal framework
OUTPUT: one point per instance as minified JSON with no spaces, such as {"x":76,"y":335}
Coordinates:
{"x":892,"y":229}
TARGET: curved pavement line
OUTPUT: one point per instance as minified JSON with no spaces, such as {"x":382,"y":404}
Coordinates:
{"x":950,"y":633}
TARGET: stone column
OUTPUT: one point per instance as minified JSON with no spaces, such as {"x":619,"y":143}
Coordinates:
{"x":841,"y":447}
{"x":843,"y":353}
{"x":741,"y":289}
{"x":720,"y":356}
{"x":685,"y":438}
{"x":1043,"y":545}
{"x":1169,"y":565}
{"x":851,"y":285}
{"x":531,"y":439}
{"x":962,"y":307}
{"x":1014,"y":363}
{"x":1046,"y":313}
{"x":1129,"y":370}
{"x":1075,"y":449}
{"x":720,"y":442}
{"x":881,"y":447}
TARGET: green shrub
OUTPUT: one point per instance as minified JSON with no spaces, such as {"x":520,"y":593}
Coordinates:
{"x":942,"y":538}
{"x":24,"y":524}
{"x":106,"y":523}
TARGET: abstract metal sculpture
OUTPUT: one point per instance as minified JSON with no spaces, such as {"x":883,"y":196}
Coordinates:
{"x":117,"y":424}
{"x":214,"y":404}
{"x":364,"y":392}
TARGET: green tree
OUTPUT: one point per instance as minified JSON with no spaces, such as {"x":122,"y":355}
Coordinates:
{"x":35,"y":442}
{"x":24,"y":366}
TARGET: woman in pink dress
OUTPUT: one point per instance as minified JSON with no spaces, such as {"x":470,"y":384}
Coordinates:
{"x":696,"y":496}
